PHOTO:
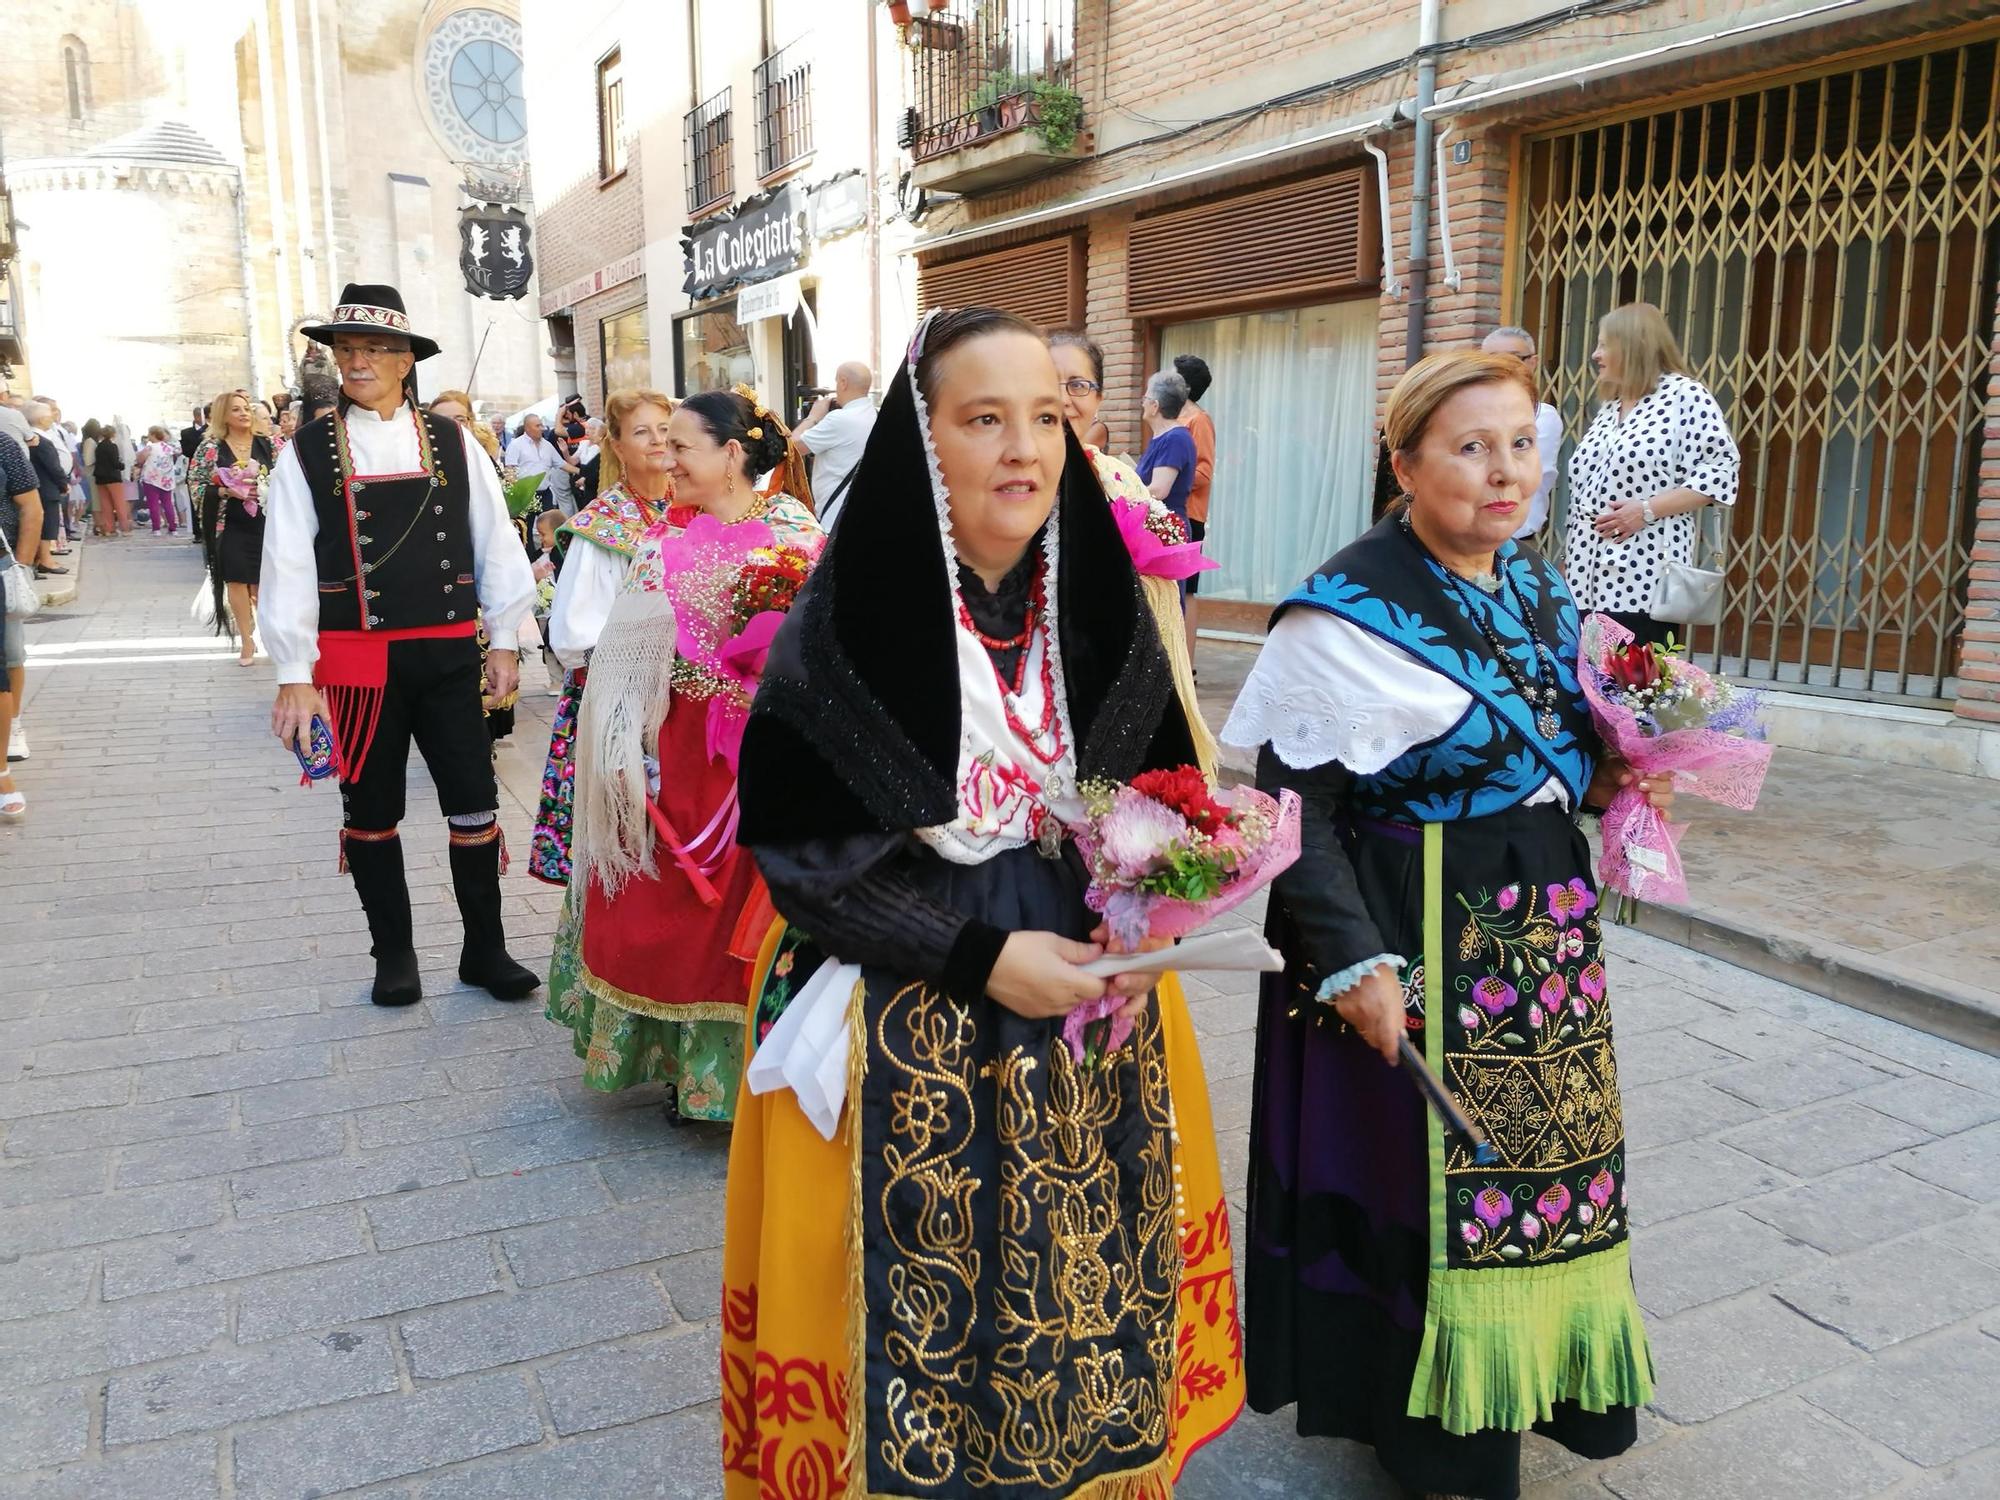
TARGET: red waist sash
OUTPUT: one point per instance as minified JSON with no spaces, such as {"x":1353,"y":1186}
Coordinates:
{"x":352,"y":673}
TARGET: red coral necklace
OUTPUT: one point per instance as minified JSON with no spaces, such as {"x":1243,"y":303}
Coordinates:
{"x":1049,"y":731}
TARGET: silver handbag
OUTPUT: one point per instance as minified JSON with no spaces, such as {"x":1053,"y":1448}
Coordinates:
{"x":1687,"y":593}
{"x":19,"y":584}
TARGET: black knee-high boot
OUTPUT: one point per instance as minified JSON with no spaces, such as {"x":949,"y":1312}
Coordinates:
{"x":375,"y":860}
{"x":475,"y":880}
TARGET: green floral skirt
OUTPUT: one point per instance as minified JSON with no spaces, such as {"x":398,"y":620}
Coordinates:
{"x":702,"y":1061}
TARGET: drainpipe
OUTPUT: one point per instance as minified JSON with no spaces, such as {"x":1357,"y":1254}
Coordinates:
{"x":1391,"y":287}
{"x":1420,"y":182}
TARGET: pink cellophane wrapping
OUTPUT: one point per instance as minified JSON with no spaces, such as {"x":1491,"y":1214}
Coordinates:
{"x":1164,"y":916}
{"x":1641,"y":849}
{"x":1152,"y":556}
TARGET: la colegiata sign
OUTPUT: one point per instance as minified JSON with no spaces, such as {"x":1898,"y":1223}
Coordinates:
{"x":762,"y":239}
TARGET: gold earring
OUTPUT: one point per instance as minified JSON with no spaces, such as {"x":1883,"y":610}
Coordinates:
{"x":732,"y":481}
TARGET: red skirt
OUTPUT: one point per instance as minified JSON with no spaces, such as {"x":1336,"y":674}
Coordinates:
{"x":659,"y":949}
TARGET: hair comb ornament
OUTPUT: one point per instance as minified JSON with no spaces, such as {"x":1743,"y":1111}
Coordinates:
{"x":923,"y":332}
{"x":753,"y":433}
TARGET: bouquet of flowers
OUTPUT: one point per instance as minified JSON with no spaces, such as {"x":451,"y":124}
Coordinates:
{"x":1166,"y":853}
{"x":1158,"y":540}
{"x":246,"y":482}
{"x":1659,"y":712}
{"x":767,"y":584}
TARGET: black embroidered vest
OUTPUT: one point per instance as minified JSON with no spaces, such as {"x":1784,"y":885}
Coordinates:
{"x":394,"y":551}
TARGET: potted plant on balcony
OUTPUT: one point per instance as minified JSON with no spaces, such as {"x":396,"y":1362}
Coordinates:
{"x":1002,"y":101}
{"x":899,"y":12}
{"x":1058,"y":115}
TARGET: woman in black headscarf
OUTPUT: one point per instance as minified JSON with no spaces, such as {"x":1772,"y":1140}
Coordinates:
{"x":977,"y":1268}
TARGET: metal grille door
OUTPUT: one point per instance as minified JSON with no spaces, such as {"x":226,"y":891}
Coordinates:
{"x":1825,"y":249}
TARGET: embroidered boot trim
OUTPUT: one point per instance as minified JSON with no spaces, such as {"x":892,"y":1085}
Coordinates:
{"x":364,"y":836}
{"x":474,"y":838}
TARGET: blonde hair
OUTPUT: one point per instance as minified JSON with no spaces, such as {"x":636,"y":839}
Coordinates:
{"x":482,"y":432}
{"x":618,"y":406}
{"x":1645,"y":349}
{"x":218,"y":416}
{"x":1434,"y":380}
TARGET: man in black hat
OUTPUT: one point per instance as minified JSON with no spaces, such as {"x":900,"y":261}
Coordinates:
{"x":386,"y":538}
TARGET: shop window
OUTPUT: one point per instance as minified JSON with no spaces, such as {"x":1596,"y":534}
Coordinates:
{"x":1293,"y":404}
{"x":626,"y":349}
{"x":712,"y":351}
{"x":611,"y":115}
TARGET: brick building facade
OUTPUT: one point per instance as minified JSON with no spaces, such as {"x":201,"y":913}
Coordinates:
{"x":1807,"y":189}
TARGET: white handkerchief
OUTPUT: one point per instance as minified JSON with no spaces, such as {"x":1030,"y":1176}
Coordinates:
{"x":806,"y":1051}
{"x":1236,"y":948}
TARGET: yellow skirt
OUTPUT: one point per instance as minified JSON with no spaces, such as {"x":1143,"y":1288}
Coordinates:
{"x":787,"y":1365}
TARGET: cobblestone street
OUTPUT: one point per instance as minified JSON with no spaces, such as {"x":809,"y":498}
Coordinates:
{"x":261,"y":1239}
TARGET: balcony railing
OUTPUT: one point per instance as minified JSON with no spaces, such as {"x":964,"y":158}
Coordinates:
{"x":711,"y":171}
{"x":784,"y":107}
{"x":994,"y":66}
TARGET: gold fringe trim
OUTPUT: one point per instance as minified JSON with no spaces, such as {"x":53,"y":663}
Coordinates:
{"x":606,"y":993}
{"x":857,"y":1299}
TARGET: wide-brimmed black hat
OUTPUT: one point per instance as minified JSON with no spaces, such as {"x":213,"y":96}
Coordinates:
{"x":368,"y":308}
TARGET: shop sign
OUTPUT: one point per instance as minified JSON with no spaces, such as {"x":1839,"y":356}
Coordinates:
{"x":838,"y":205}
{"x":769,"y":299}
{"x":762,"y":239}
{"x":603,"y":279}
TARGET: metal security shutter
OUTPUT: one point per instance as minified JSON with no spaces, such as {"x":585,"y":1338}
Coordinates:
{"x":1041,"y":281}
{"x":1306,"y":241}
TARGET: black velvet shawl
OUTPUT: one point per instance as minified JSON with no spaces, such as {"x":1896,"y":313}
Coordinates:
{"x":856,"y":726}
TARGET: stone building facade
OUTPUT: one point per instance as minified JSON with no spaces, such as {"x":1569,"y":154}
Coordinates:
{"x":186,"y":198}
{"x":1807,"y":189}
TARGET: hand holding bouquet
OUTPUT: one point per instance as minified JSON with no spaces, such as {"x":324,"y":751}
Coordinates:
{"x":244,"y":482}
{"x":1166,"y":854}
{"x":1659,"y":712}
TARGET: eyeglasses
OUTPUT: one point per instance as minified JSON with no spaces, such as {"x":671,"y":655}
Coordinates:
{"x":369,"y":352}
{"x":1081,"y":387}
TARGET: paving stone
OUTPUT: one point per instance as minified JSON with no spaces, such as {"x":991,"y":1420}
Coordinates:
{"x":477,"y":1207}
{"x":44,"y":1427}
{"x":626,"y":1382}
{"x":1715,"y":1358}
{"x":36,"y":1351}
{"x":1931,"y":1104}
{"x":469,"y":1114}
{"x":1661,"y":1055}
{"x":438,"y":1043}
{"x":108,"y":1216}
{"x":1711,"y":1255}
{"x":1794,"y":1082}
{"x":225,"y":1254}
{"x":340,"y":1094}
{"x":498,"y":1070}
{"x":228,"y":1151}
{"x":1638,"y":1009}
{"x":694,"y":1284}
{"x":527,"y":1325}
{"x":1962,"y":1162}
{"x":1932,"y":1401}
{"x":32,"y":1285}
{"x":49,"y":1096}
{"x":223,"y":1075}
{"x":239,"y":1385}
{"x":1845,"y":1210}
{"x":1977,"y":1475}
{"x":1695,"y":1175}
{"x":345,"y":1179}
{"x":1781,"y":1450}
{"x":222,"y":1009}
{"x":551,"y":1142}
{"x":646,"y":1461}
{"x":703,"y":1161}
{"x":124,"y":1126}
{"x":1882,"y":1296}
{"x":1261,"y":1458}
{"x":1751,"y":1034}
{"x":1661,"y":1114}
{"x":1825,"y":1139}
{"x":329,"y":1026}
{"x":373,"y":1286}
{"x":72,"y":1175}
{"x":129,"y":1051}
{"x":613,"y":1240}
{"x":181,"y":1470}
{"x":379,"y":1438}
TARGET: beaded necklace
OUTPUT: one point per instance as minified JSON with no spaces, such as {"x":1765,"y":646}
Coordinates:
{"x":1049,"y":731}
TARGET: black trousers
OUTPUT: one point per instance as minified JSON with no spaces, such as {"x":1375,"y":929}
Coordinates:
{"x":432,"y":698}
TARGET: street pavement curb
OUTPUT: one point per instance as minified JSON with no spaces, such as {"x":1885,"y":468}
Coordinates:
{"x":1938,"y":1006}
{"x":56,"y":592}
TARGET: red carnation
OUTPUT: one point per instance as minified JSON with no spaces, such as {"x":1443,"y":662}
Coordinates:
{"x":1185,"y":790}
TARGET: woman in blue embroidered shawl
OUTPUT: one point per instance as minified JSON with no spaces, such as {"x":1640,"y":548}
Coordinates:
{"x":1419,"y":692}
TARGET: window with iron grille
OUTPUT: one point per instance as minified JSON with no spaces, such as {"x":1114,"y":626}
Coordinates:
{"x":983,"y":69}
{"x":610,"y":115}
{"x":711,"y":175}
{"x":784,"y":107}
